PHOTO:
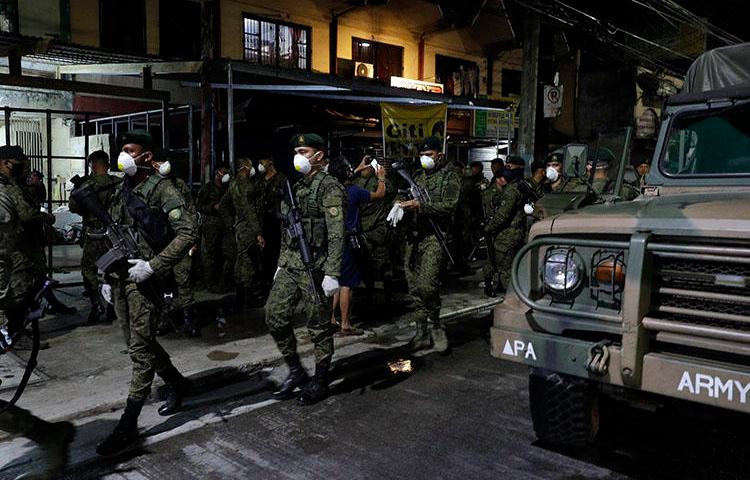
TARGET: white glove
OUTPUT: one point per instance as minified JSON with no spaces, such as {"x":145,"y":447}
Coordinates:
{"x":395,"y":215}
{"x":107,"y":292}
{"x":278,"y":269}
{"x":529,"y":209}
{"x":140,"y":271}
{"x":330,"y":285}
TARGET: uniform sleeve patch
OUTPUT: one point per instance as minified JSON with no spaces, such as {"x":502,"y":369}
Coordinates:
{"x":333,"y":211}
{"x":175,"y":214}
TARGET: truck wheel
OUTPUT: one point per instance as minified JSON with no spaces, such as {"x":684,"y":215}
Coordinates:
{"x":564,"y":409}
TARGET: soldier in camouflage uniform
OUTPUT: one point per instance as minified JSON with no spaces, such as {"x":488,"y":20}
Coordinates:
{"x":17,"y":280}
{"x":423,"y":255}
{"x":215,"y":262}
{"x":321,"y":199}
{"x":472,"y":187}
{"x":375,"y":230}
{"x":136,"y":294}
{"x":239,"y":209}
{"x":273,"y":183}
{"x":536,"y":181}
{"x":104,"y":186}
{"x":490,"y":202}
{"x":506,"y":222}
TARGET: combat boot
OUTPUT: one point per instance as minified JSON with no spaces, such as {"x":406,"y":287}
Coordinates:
{"x":297,"y":378}
{"x":97,"y":314}
{"x":317,"y":389}
{"x":439,"y":338}
{"x":126,"y":431}
{"x":189,"y":327}
{"x":488,"y":290}
{"x":178,"y":387}
{"x":421,"y":339}
{"x":53,"y":440}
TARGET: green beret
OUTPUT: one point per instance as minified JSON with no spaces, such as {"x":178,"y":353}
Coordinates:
{"x":244,"y":162}
{"x":537,"y":164}
{"x":515,"y":160}
{"x":139,"y":137}
{"x":12,"y":152}
{"x":603,"y":154}
{"x":312,"y":140}
{"x":431,"y":143}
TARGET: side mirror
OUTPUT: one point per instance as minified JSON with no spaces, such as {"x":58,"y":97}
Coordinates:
{"x":574,"y":159}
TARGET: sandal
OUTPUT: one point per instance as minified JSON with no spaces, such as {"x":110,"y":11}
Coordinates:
{"x":350,"y":332}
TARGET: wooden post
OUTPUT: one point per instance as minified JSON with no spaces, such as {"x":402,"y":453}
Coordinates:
{"x":529,"y":86}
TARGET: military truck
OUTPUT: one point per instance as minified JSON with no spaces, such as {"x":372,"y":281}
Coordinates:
{"x":649,"y":300}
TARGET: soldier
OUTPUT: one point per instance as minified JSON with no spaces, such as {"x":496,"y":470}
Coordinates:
{"x":37,"y":189}
{"x":507,"y":223}
{"x":17,"y":279}
{"x":321,"y":200}
{"x":490,"y":202}
{"x":136,"y":297}
{"x":239,"y":208}
{"x":472,"y":187}
{"x":375,"y":229}
{"x":536,"y":181}
{"x":104,"y":185}
{"x":185,"y":300}
{"x":213,"y":230}
{"x":555,"y":161}
{"x":273,"y":185}
{"x":496,"y":165}
{"x":424,"y":256}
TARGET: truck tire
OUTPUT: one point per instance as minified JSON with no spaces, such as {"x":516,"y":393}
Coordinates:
{"x":564,"y":409}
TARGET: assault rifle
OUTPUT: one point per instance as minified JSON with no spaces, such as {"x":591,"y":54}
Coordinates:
{"x":292,"y":221}
{"x":35,"y":311}
{"x":420,"y":194}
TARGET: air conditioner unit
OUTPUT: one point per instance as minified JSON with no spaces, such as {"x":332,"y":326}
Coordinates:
{"x":362,"y":69}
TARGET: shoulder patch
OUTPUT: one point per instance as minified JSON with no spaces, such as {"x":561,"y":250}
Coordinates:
{"x":175,"y":214}
{"x":333,"y":211}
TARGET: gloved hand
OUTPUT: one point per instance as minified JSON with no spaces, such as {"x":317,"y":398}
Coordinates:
{"x":395,"y":215}
{"x":529,"y":209}
{"x":330,"y":285}
{"x":140,"y":271}
{"x":278,"y":269}
{"x":107,"y":292}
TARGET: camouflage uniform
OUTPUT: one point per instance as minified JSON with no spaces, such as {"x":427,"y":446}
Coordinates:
{"x":376,"y":232}
{"x":470,"y":203}
{"x":322,"y":201}
{"x":216,"y":261}
{"x":239,"y":208}
{"x":184,"y":297}
{"x":423,"y":255}
{"x":104,"y":186}
{"x":491,"y":198}
{"x":272,"y":195}
{"x":135,"y":304}
{"x":506,"y":225}
{"x":537,"y":214}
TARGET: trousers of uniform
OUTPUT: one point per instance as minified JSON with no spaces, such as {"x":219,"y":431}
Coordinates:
{"x":89,"y":271}
{"x":244,"y":268}
{"x":212,"y":255}
{"x":422,"y":262}
{"x":506,"y":244}
{"x":270,"y":254}
{"x":139,"y":317}
{"x":184,"y":294}
{"x":378,"y":257}
{"x":289,"y":289}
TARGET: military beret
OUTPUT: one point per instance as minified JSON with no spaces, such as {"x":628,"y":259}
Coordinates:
{"x":515,"y":160}
{"x":431,"y":143}
{"x":554,"y":157}
{"x":244,"y":162}
{"x":537,"y":164}
{"x":12,"y":152}
{"x":139,"y":137}
{"x":308,"y":140}
{"x":603,"y":154}
{"x":476,"y":163}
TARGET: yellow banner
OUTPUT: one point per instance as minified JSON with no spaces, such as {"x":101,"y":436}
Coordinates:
{"x":406,"y":126}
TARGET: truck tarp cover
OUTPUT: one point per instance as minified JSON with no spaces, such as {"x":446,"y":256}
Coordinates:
{"x":719,"y":68}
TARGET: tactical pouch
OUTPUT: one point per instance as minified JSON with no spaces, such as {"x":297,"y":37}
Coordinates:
{"x":152,"y":223}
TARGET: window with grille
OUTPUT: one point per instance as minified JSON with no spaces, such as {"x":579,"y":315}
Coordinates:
{"x":277,"y":44}
{"x":9,"y":16}
{"x":387,"y":60}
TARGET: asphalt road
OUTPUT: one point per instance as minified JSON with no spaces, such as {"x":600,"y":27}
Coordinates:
{"x":459,"y":416}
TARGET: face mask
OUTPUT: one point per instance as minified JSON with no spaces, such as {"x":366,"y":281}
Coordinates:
{"x":428,"y":163}
{"x":261,"y":168}
{"x":302,"y":164}
{"x":126,"y":164}
{"x":325,"y":169}
{"x":165,"y":168}
{"x":252,"y":171}
{"x":225,"y":178}
{"x":552,"y":174}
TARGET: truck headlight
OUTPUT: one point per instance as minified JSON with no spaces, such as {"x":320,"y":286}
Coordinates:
{"x":563,"y":270}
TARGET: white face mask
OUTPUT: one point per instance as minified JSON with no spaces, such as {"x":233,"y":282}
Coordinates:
{"x":252,"y":171}
{"x":165,"y":168}
{"x":302,"y":164}
{"x":261,"y":168}
{"x":428,"y":163}
{"x":225,"y":178}
{"x":126,"y":164}
{"x":552,"y":174}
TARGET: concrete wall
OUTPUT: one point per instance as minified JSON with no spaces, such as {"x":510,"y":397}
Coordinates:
{"x":39,"y":18}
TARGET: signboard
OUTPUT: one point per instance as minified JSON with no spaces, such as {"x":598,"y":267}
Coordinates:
{"x":418,"y":85}
{"x":406,"y":126}
{"x":493,"y":123}
{"x":552,"y":101}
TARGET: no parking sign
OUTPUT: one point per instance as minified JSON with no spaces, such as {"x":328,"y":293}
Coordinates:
{"x":552,"y":100}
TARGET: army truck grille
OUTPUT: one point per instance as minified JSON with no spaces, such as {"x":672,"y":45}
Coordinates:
{"x":701,"y":300}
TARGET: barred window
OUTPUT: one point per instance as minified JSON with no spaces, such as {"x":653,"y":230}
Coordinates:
{"x":277,"y":44}
{"x":9,"y":16}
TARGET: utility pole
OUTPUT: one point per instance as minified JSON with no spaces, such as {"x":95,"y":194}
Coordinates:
{"x":208,"y":51}
{"x":529,"y":86}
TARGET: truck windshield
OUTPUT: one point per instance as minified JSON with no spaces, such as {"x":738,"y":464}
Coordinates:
{"x":709,"y":143}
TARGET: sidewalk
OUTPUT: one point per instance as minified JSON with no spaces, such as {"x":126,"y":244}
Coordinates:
{"x":85,"y":371}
